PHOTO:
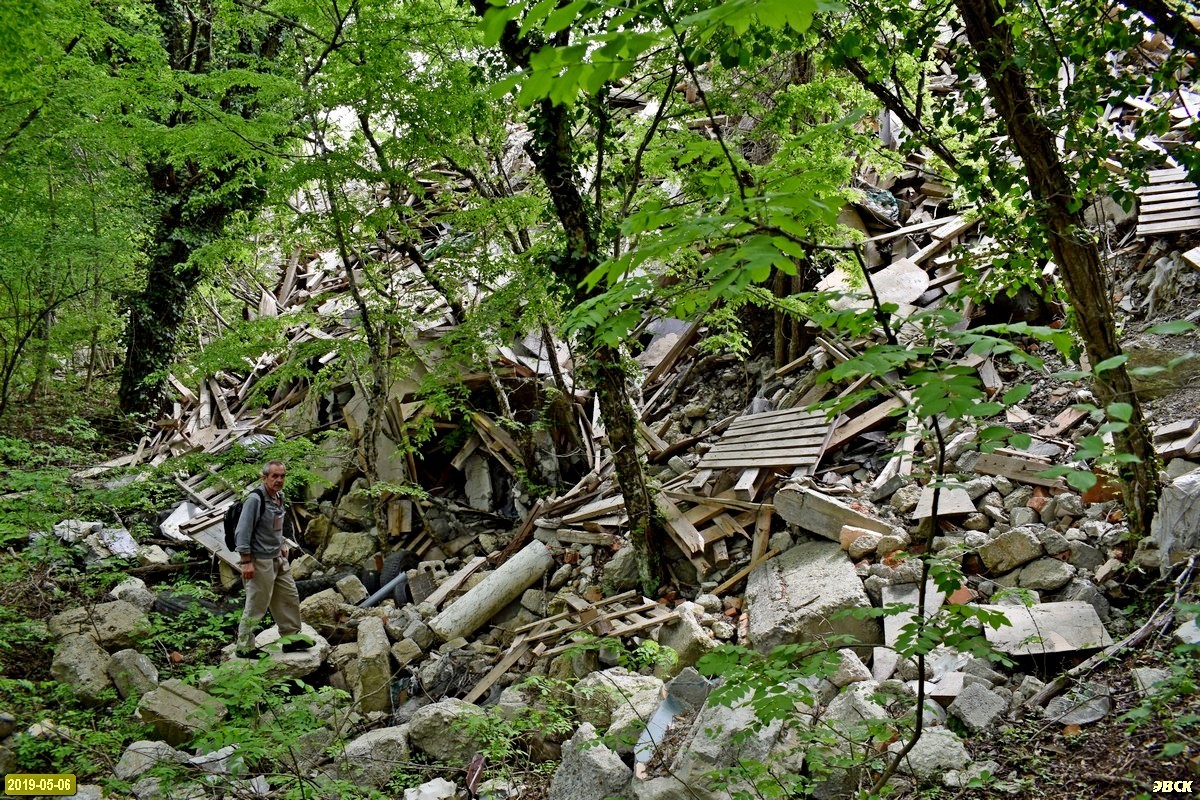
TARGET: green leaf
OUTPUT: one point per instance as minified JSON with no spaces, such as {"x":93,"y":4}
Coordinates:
{"x":1121,"y":411}
{"x":1081,"y":480}
{"x":1110,"y":363}
{"x":562,"y":18}
{"x":1017,"y":394}
{"x":1172,"y":327}
{"x":1146,"y":372}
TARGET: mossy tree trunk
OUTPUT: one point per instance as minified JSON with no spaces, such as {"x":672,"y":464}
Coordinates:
{"x":1075,"y":250}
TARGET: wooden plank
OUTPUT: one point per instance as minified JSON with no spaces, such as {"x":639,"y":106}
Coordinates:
{"x":1181,"y":215}
{"x":699,"y":515}
{"x":1182,"y":195}
{"x":804,"y":436}
{"x":682,"y":531}
{"x":745,"y":486}
{"x":1171,"y":205}
{"x":741,"y":574}
{"x":720,"y":554}
{"x":724,"y":500}
{"x":863,"y":422}
{"x":673,"y":355}
{"x":700,"y":480}
{"x":1168,"y":227}
{"x":1015,"y":468}
{"x":1164,"y":187}
{"x":762,"y":534}
{"x":519,"y":648}
{"x":574,"y":536}
{"x":597,"y":508}
{"x":455,"y":581}
{"x":1065,"y":420}
{"x":772,"y":454}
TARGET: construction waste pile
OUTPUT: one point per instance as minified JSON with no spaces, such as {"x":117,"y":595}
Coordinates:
{"x":777,"y":517}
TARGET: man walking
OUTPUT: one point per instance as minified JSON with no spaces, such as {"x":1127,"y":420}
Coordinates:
{"x":265,"y":570}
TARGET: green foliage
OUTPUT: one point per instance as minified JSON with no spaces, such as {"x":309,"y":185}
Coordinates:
{"x":1171,"y":702}
{"x":506,"y":738}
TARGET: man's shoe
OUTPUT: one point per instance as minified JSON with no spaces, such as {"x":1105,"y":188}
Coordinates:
{"x":246,"y":652}
{"x":296,"y":643}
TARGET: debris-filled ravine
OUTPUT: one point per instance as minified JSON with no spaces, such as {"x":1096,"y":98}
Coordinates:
{"x":780,"y":517}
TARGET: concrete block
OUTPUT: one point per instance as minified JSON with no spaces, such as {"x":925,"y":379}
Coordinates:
{"x":794,"y":597}
{"x":177,"y":711}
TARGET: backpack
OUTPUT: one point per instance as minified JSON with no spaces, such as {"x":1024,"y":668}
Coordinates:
{"x":233,"y":514}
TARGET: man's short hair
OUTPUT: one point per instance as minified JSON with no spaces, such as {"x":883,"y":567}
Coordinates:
{"x":273,"y":463}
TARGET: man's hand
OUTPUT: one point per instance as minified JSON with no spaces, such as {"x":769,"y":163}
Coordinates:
{"x":247,"y":570}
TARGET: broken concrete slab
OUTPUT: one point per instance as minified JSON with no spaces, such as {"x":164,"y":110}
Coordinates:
{"x":937,"y":751}
{"x":372,"y":759}
{"x":908,"y":594}
{"x":589,"y":771}
{"x":177,"y":711}
{"x":373,"y":687}
{"x":1084,"y":704}
{"x":132,"y":673}
{"x":82,"y":665}
{"x":1176,"y":525}
{"x":1048,"y":628}
{"x":796,"y":597}
{"x":1010,"y":550}
{"x":114,"y":624}
{"x":821,"y":514}
{"x":977,"y":707}
{"x":952,"y":500}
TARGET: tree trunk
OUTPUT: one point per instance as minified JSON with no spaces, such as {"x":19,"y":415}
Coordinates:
{"x":1074,"y":250}
{"x":155,"y":315}
{"x":553,"y":151}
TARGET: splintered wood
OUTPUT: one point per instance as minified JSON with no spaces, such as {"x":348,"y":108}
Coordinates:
{"x":790,"y":438}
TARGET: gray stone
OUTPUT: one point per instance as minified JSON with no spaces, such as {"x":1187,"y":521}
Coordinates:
{"x":141,"y":756}
{"x":1017,"y":498}
{"x":351,"y":588}
{"x":690,"y":688}
{"x":354,"y":508}
{"x":1084,"y":704}
{"x":8,"y":724}
{"x":177,"y":711}
{"x":588,"y":771}
{"x":478,"y":482}
{"x":348,"y":548}
{"x":420,"y":633}
{"x":406,"y":652}
{"x":1085,"y":557}
{"x":1085,"y":591}
{"x":74,"y":530}
{"x":721,"y":737}
{"x":629,"y":718}
{"x":909,"y":595}
{"x":781,"y":541}
{"x":906,"y":498}
{"x":372,"y":758}
{"x":1053,"y":542}
{"x":863,"y":545}
{"x":1069,"y":505}
{"x":1003,"y":485}
{"x":890,"y":544}
{"x":82,"y":665}
{"x":304,"y":565}
{"x":686,"y":636}
{"x":1188,"y":632}
{"x":936,"y":752}
{"x":1046,"y":574}
{"x":855,"y":705}
{"x":373,"y":689}
{"x":851,"y":669}
{"x":710,"y":603}
{"x":948,"y":687}
{"x":980,"y":668}
{"x":1010,"y":550}
{"x":218,"y":762}
{"x":977,"y":522}
{"x":438,"y":731}
{"x":132,"y":673}
{"x":978,"y":487}
{"x":1022,"y":516}
{"x":114,"y":624}
{"x":436,"y":789}
{"x":1145,"y":678}
{"x":977,"y":707}
{"x":134,"y":592}
{"x":795,"y":597}
{"x":601,"y":692}
{"x":884,"y":661}
{"x":1176,"y":525}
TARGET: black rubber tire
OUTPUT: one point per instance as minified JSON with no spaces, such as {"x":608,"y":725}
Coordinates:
{"x":400,"y":594}
{"x":370,"y":579}
{"x":401,"y":560}
{"x":310,"y":586}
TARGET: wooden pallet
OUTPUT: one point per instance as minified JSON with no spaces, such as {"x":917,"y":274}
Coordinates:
{"x":1169,"y":203}
{"x":789,"y":438}
{"x":621,"y":615}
